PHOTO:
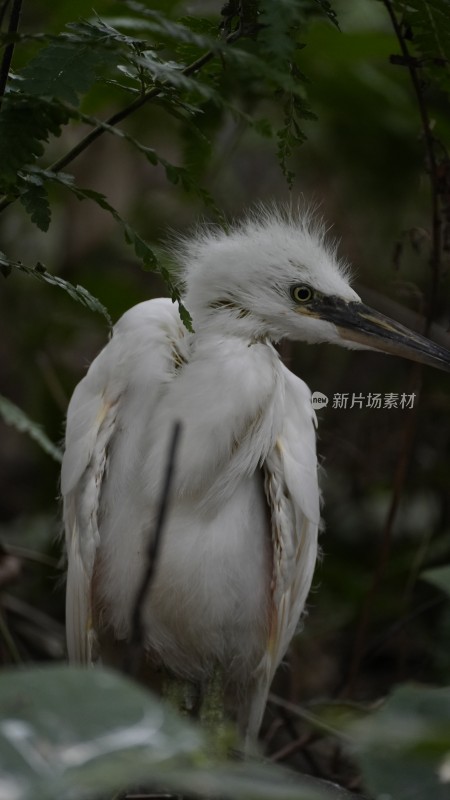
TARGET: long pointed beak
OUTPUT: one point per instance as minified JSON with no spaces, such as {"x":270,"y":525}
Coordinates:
{"x":363,"y":325}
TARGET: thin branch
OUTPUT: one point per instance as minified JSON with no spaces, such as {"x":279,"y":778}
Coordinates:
{"x":26,"y":554}
{"x":290,"y":748}
{"x":137,"y":635}
{"x":307,"y":716}
{"x":9,"y":49}
{"x":435,"y":259}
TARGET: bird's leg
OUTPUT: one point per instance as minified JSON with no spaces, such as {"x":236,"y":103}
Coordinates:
{"x":212,"y":712}
{"x":212,"y":715}
{"x":183,"y":695}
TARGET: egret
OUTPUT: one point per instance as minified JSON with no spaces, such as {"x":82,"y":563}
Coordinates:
{"x":239,"y":549}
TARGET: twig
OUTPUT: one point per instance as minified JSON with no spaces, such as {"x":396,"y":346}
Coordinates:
{"x":291,"y":747}
{"x":9,"y":49}
{"x":307,"y":716}
{"x":137,"y":635}
{"x":436,"y":249}
{"x":26,"y":554}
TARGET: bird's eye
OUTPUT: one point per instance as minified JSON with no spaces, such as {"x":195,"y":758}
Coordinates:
{"x":301,"y":294}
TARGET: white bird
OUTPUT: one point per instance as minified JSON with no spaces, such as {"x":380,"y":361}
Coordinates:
{"x":238,"y":553}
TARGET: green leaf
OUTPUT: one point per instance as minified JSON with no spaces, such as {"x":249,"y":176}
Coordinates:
{"x":185,"y":316}
{"x":69,"y":66}
{"x":171,"y":74}
{"x":403,"y":748}
{"x":25,"y":122}
{"x":291,"y":135}
{"x":14,"y":416}
{"x":78,"y":293}
{"x":189,"y":30}
{"x":143,"y":250}
{"x":34,"y":199}
{"x":328,"y":10}
{"x":281,"y":21}
{"x":439,"y":577}
{"x":68,"y":732}
{"x":143,"y":55}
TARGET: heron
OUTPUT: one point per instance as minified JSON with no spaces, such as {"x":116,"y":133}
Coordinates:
{"x":239,"y":549}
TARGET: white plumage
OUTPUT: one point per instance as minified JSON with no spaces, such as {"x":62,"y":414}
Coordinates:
{"x":240,"y":546}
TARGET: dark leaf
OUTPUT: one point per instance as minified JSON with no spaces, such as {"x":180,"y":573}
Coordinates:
{"x":34,"y":199}
{"x":327,"y":9}
{"x":78,"y":293}
{"x":25,"y":123}
{"x":65,"y":68}
{"x":404,"y":746}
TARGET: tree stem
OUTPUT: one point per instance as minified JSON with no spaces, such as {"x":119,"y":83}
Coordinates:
{"x":435,"y":258}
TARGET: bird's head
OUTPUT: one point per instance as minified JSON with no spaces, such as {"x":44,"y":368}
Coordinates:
{"x":275,"y":275}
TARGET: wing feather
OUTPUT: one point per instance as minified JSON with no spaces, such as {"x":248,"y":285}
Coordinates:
{"x":292,"y":492}
{"x":90,"y":426}
{"x":136,"y":358}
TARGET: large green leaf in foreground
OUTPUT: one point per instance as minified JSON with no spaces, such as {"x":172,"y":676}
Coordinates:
{"x":71,"y":733}
{"x":66,"y":731}
{"x":404,"y":747}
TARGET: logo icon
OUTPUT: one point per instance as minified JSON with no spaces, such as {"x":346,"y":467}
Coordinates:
{"x":319,"y":400}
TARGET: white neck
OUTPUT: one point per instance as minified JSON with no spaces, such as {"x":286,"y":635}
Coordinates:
{"x":225,"y":318}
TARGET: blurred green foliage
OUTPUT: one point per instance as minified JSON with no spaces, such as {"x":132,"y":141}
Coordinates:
{"x":338,"y":108}
{"x":67,"y":732}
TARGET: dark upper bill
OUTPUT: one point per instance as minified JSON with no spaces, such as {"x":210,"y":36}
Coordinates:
{"x":358,"y":323}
